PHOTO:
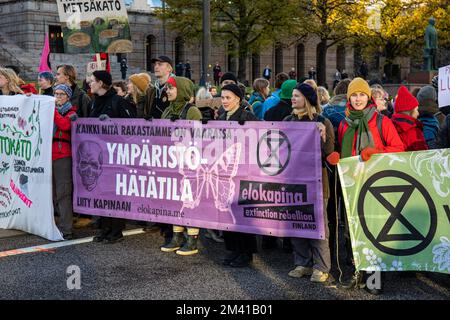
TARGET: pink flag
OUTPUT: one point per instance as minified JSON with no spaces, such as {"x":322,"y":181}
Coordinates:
{"x":45,"y":56}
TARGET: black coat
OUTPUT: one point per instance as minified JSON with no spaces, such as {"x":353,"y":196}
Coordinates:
{"x":81,"y":100}
{"x":239,"y":115}
{"x":111,"y":105}
{"x":443,"y":138}
{"x":280,"y":111}
{"x":48,"y":92}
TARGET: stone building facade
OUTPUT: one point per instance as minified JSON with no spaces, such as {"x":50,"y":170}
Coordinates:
{"x":23,"y":25}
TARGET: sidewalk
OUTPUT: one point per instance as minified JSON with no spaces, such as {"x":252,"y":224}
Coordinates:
{"x":10,"y":233}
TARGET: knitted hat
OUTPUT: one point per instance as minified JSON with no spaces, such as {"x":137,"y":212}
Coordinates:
{"x":64,"y":88}
{"x":427,"y":99}
{"x":103,"y":76}
{"x":235,"y":89}
{"x":47,"y":76}
{"x":405,"y":100}
{"x":140,"y":81}
{"x":358,"y":85}
{"x":309,"y":93}
{"x":286,"y":89}
{"x":228,"y":76}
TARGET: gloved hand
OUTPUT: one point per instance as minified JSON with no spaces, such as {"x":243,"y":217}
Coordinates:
{"x":367,"y":153}
{"x":73,"y":117}
{"x":103,"y":117}
{"x":333,"y":158}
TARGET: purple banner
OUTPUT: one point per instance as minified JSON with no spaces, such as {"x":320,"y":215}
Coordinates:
{"x":260,"y":177}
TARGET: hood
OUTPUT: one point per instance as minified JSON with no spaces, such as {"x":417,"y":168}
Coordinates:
{"x":404,"y":123}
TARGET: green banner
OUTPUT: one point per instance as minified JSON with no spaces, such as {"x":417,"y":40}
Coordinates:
{"x":398,"y":210}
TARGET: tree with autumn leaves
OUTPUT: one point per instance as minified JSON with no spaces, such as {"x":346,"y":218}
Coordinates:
{"x":391,"y":27}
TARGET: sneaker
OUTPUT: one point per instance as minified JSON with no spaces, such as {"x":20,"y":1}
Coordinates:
{"x":356,"y":282}
{"x":190,"y":247}
{"x":175,"y":243}
{"x":99,"y":238}
{"x":242,"y":261}
{"x":300,"y":271}
{"x":68,"y":236}
{"x":319,"y":276}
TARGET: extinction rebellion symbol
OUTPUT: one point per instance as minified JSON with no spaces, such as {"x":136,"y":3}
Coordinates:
{"x":384,"y":240}
{"x":274,"y":152}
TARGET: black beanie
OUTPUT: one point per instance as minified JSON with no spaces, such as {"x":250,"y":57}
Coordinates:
{"x":235,"y":89}
{"x":309,"y":93}
{"x":228,"y":76}
{"x":103,"y":76}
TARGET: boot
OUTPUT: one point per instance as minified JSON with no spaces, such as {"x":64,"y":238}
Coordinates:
{"x":190,"y":246}
{"x":175,"y":243}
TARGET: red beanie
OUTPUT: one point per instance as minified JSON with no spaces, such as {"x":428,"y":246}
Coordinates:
{"x":405,"y":100}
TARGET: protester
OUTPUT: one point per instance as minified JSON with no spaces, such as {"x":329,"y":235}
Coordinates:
{"x":62,"y":158}
{"x":180,"y":92}
{"x":429,"y":114}
{"x":267,"y":73}
{"x":217,"y":70}
{"x":241,"y":246}
{"x":292,"y":74}
{"x":213,"y":91}
{"x":66,"y":74}
{"x":364,"y":132}
{"x":204,"y":96}
{"x":107,"y":104}
{"x":142,"y":94}
{"x":163,"y":71}
{"x":46,"y":80}
{"x":335,"y":109}
{"x":274,"y":98}
{"x":312,"y":256}
{"x":261,"y":90}
{"x":324,"y":96}
{"x":284,"y":107}
{"x":121,"y":88}
{"x":443,"y":139}
{"x":9,"y":83}
{"x":379,"y":97}
{"x":405,"y":121}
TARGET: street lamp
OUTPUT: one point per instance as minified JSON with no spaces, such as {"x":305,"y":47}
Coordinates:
{"x":206,"y":41}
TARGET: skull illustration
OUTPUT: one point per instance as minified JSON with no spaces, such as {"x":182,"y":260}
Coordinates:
{"x":89,"y":163}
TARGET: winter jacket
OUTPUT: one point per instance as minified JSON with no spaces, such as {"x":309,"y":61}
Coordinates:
{"x":61,"y":145}
{"x":335,"y":110}
{"x":390,"y":135}
{"x":240,"y":115}
{"x":410,"y":131}
{"x":430,"y":128}
{"x":145,"y":103}
{"x":271,"y":101}
{"x":443,"y":138}
{"x":327,"y":147}
{"x":48,"y":92}
{"x":81,"y":100}
{"x":180,"y":108}
{"x":110,"y":104}
{"x":256,"y":101}
{"x":280,"y":111}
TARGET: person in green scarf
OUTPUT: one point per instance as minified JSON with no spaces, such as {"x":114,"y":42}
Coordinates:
{"x":180,"y":92}
{"x":364,"y":132}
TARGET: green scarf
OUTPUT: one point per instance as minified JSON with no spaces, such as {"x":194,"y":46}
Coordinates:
{"x":357,"y":124}
{"x":185,"y":91}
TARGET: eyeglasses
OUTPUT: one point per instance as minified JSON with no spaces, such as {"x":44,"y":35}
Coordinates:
{"x":60,"y":94}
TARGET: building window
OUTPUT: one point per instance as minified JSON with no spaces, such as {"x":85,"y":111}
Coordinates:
{"x":56,"y":39}
{"x":150,"y":46}
{"x":278,"y":58}
{"x":179,"y":50}
{"x":300,"y":61}
{"x":340,"y":58}
{"x":256,"y":67}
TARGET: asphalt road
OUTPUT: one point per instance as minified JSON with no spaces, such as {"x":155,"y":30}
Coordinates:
{"x":137,"y":269}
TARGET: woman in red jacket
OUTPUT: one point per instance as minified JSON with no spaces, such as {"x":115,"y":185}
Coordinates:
{"x":364,"y":132}
{"x":62,"y":158}
{"x":405,"y":121}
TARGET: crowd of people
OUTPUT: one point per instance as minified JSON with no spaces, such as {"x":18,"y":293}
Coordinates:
{"x":356,"y":120}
